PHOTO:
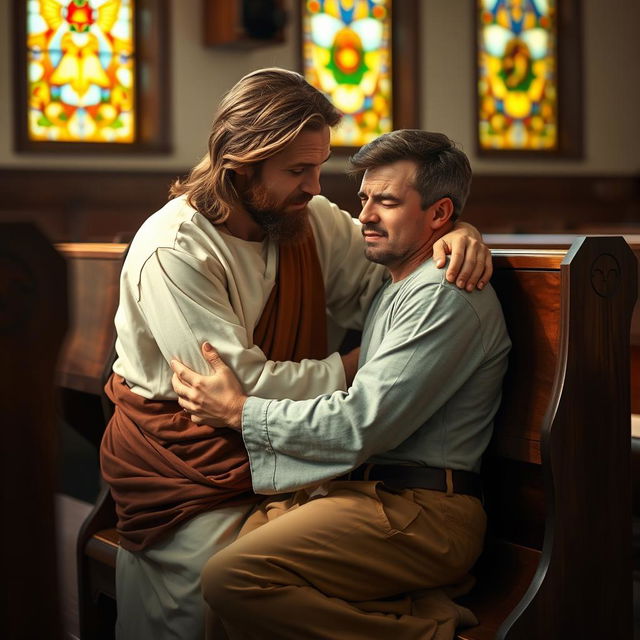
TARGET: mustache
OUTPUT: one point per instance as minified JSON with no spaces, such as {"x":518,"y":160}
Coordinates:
{"x":304,"y":199}
{"x":372,"y":228}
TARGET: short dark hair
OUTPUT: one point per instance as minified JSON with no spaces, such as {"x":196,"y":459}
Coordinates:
{"x":443,"y":170}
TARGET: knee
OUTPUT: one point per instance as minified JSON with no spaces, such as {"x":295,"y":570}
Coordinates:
{"x":221,"y":581}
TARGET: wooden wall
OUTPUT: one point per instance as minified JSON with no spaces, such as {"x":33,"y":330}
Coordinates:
{"x":98,"y":205}
{"x":82,"y":206}
{"x":533,"y":204}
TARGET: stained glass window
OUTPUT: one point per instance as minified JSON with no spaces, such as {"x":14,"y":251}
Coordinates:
{"x":81,"y":70}
{"x":347,"y":55}
{"x":517,"y":75}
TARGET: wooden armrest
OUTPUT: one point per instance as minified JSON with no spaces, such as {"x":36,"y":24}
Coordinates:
{"x":103,"y":546}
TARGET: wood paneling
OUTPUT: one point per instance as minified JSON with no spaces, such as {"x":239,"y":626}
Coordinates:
{"x":94,"y":273}
{"x":531,"y":305}
{"x":82,"y":206}
{"x":531,"y":204}
{"x":95,"y":205}
{"x":635,"y":375}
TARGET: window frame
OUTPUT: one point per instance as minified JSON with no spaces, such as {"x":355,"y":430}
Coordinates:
{"x":405,"y":66}
{"x":152,"y":90}
{"x":569,"y":87}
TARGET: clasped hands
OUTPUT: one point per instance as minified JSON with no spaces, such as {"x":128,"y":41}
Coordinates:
{"x":216,"y":399}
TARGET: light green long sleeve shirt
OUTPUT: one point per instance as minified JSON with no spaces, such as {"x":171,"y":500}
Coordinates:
{"x":428,"y":386}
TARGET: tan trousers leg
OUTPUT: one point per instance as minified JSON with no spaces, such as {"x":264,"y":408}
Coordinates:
{"x":339,"y":566}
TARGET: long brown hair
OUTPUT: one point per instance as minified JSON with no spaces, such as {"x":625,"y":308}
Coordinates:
{"x":257,"y":118}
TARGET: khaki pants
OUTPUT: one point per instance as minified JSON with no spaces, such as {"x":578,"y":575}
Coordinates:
{"x":341,"y":566}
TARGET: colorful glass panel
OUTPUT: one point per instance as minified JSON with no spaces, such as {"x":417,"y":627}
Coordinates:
{"x":81,"y":70}
{"x":517,"y":74}
{"x":347,"y":55}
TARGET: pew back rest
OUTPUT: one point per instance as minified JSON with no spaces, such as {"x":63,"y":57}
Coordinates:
{"x":524,"y":241}
{"x":528,"y":285}
{"x":94,"y":276}
{"x":558,"y":464}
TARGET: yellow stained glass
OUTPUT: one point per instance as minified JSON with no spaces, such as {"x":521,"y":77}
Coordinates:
{"x":81,"y":70}
{"x":347,"y":56}
{"x":517,"y":74}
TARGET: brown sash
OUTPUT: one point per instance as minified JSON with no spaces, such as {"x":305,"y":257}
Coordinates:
{"x":162,"y":468}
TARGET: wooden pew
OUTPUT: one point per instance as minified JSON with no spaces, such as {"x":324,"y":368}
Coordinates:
{"x":94,"y":273}
{"x":557,"y":562}
{"x":563,"y":241}
{"x":33,"y":320}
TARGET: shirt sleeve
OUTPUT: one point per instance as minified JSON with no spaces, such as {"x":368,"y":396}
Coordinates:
{"x":186,"y":302}
{"x":433,"y":336}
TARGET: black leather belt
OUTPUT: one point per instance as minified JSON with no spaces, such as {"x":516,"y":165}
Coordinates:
{"x":397,"y":477}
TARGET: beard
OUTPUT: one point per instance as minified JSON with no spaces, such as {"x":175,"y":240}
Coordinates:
{"x":376,"y":254}
{"x":281,"y":225}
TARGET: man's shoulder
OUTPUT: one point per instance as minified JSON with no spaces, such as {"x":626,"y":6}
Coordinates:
{"x":321,"y":208}
{"x":162,"y":227}
{"x":425,"y":280}
{"x":178,"y":228}
{"x":430,"y":282}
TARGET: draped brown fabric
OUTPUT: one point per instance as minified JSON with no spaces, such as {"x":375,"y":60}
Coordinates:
{"x":293,"y":324}
{"x":162,"y":468}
